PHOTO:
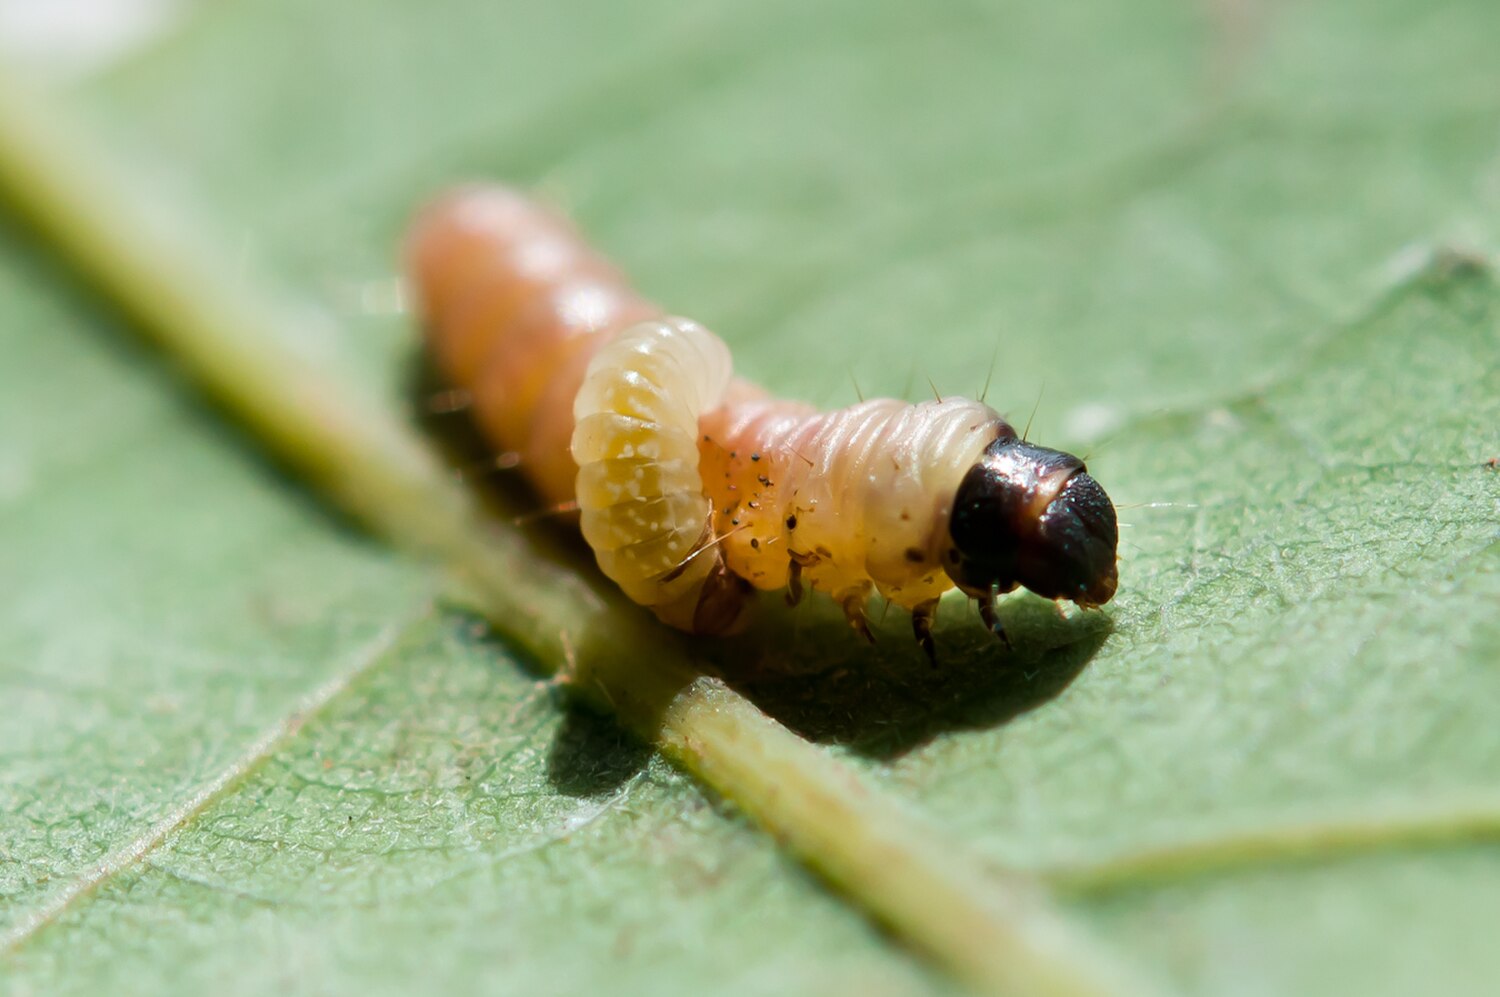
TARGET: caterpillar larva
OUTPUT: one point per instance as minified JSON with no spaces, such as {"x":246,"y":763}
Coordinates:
{"x":694,"y":487}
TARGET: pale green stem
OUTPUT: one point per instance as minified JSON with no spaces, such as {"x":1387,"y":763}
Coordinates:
{"x":1439,"y":820}
{"x":999,"y":931}
{"x":996,"y":932}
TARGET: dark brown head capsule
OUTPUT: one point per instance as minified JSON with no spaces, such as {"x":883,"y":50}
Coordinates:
{"x":1026,"y":515}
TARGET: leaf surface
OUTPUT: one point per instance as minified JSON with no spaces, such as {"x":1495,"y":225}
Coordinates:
{"x":1242,"y":248}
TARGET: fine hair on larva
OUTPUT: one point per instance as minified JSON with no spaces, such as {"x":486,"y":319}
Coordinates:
{"x":694,"y":487}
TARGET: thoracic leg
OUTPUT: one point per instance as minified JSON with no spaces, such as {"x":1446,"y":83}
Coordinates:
{"x":794,"y":583}
{"x":921,"y":625}
{"x":991,"y":617}
{"x":854,"y":602}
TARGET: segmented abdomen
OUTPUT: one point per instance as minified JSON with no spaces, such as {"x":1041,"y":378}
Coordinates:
{"x":543,"y":333}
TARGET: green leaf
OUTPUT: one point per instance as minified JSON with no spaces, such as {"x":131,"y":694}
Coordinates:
{"x":1245,"y":250}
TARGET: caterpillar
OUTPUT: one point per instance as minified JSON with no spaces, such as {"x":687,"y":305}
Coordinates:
{"x":694,"y":487}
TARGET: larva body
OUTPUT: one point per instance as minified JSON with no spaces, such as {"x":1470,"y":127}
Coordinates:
{"x":694,"y":487}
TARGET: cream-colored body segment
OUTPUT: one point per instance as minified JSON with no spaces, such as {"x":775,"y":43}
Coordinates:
{"x":641,"y":497}
{"x":858,"y":498}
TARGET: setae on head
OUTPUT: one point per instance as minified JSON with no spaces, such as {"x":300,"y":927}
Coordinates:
{"x":1026,"y":515}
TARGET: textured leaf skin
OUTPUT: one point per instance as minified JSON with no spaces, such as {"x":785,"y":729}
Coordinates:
{"x":1218,"y":241}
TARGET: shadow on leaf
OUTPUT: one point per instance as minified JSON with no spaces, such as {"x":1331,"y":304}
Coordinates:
{"x":817,"y":678}
{"x":592,"y":756}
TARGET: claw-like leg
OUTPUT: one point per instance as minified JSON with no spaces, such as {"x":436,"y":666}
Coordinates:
{"x":794,"y":583}
{"x":921,"y":625}
{"x":854,"y":609}
{"x":991,"y":617}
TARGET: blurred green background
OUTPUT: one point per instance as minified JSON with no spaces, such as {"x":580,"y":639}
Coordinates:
{"x":1239,"y":253}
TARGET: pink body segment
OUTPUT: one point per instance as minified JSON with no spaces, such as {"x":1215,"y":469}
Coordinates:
{"x":515,"y":304}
